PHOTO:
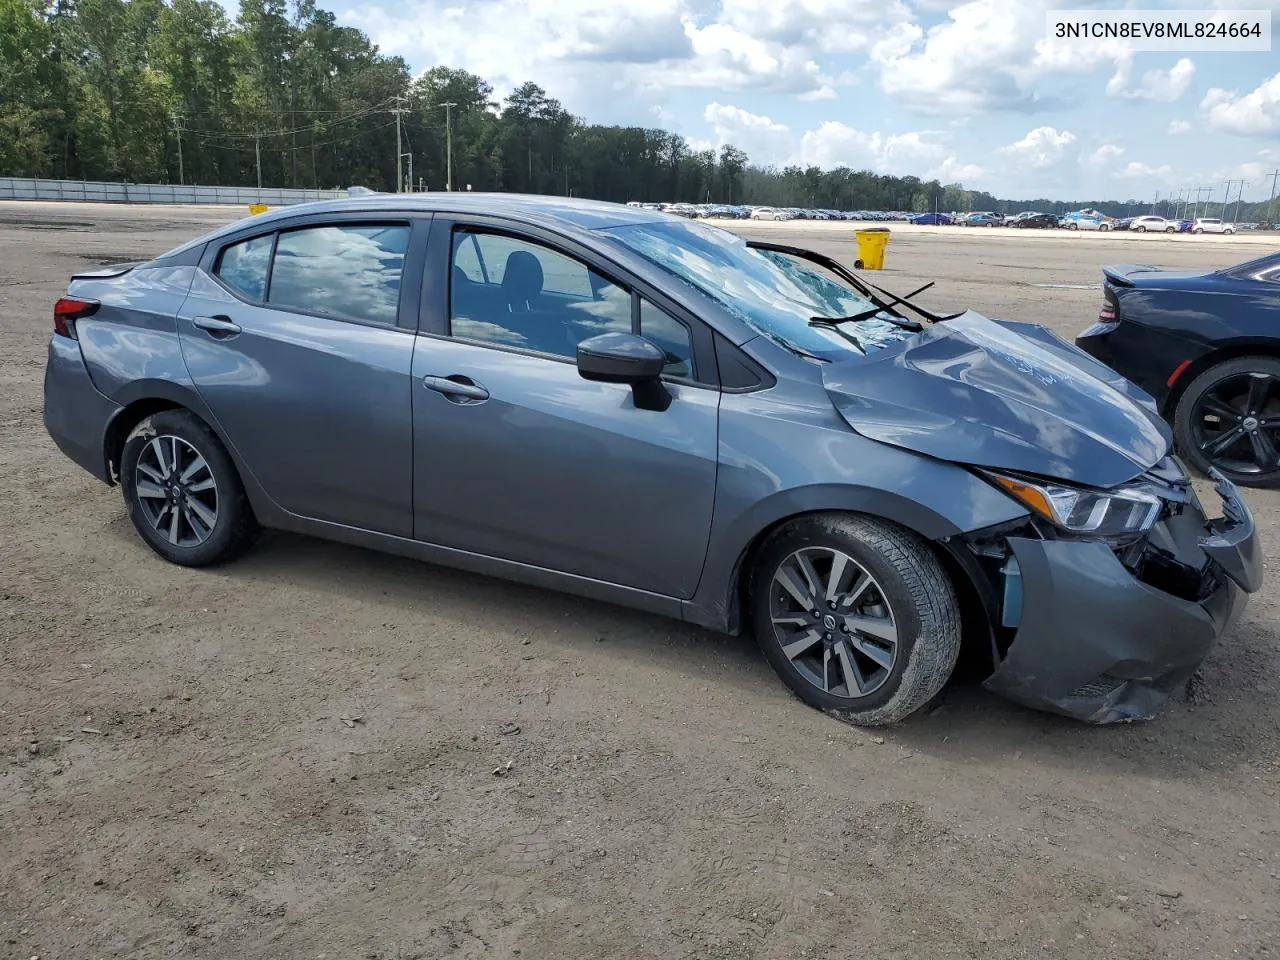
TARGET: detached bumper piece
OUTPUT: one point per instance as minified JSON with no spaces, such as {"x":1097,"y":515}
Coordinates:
{"x":1105,"y":637}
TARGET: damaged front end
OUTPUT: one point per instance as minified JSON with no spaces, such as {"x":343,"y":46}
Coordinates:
{"x":1105,"y":629}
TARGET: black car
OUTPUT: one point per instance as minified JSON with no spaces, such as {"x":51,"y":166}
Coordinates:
{"x":1206,"y":346}
{"x":1040,"y":220}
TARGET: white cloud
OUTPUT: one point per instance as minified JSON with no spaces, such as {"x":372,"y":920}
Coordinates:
{"x":1160,"y":86}
{"x":926,"y":154}
{"x":1255,"y":114}
{"x":1178,"y":126}
{"x":1041,"y":148}
{"x":1134,"y":170}
{"x":987,"y":55}
{"x":831,"y":26}
{"x":762,"y":138}
{"x":1104,"y":156}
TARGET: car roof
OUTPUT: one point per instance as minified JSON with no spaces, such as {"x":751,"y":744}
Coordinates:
{"x":585,"y":214}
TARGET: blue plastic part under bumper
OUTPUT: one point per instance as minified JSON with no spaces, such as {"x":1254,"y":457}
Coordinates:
{"x":1097,"y":643}
{"x":75,"y":413}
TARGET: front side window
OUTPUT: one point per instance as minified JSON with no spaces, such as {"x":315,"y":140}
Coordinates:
{"x":243,"y":266}
{"x":346,"y":272}
{"x":514,"y":292}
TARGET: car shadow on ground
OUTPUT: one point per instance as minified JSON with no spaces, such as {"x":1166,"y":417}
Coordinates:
{"x":1234,"y":717}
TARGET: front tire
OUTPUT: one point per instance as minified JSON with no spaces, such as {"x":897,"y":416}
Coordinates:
{"x":856,"y":615}
{"x":1229,"y":418}
{"x":1139,"y":229}
{"x":184,"y":495}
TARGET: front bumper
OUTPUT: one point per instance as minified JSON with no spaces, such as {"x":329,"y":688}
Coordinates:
{"x":1098,"y":643}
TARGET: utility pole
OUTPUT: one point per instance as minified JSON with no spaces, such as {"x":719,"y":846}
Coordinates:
{"x":448,"y":149}
{"x":1271,"y":204}
{"x":399,"y":112}
{"x":257,"y":156}
{"x":1239,"y":197}
{"x":177,"y":129}
{"x":1195,"y":214}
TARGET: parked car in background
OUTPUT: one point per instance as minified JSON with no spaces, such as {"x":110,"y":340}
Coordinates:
{"x":1206,"y":346}
{"x":1085,"y":221}
{"x":1212,"y":225}
{"x":1152,"y":224}
{"x":1035,"y":221}
{"x":652,"y":411}
{"x":984,"y":220}
{"x":1124,"y":223}
{"x":764,"y":213}
{"x":933,"y":219}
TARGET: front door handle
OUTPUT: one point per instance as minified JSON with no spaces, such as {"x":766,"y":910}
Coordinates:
{"x":218,"y":327}
{"x":457,"y":388}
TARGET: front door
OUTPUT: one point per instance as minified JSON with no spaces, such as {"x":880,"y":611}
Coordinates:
{"x":517,"y":457}
{"x":293,"y":342}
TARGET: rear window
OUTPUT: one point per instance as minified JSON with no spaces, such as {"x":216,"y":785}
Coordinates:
{"x":348,"y":272}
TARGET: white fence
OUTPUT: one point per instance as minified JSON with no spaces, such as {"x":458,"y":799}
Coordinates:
{"x":24,"y":188}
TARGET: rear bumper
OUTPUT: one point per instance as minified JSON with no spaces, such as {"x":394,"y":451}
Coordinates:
{"x":1097,"y":643}
{"x":76,"y":415}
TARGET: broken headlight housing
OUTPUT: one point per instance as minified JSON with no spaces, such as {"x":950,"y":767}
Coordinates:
{"x":1105,"y":514}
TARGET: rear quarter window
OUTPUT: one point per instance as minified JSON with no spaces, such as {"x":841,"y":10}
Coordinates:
{"x":243,"y":266}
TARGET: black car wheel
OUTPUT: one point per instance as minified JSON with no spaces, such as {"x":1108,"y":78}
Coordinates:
{"x":1139,"y":229}
{"x":184,"y":495}
{"x":856,"y":615}
{"x":1229,"y":418}
{"x":1170,"y":229}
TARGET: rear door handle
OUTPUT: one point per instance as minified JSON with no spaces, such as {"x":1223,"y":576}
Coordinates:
{"x":219,"y":327}
{"x":457,"y":388}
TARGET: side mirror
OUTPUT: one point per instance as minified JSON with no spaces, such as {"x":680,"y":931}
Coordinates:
{"x":626,"y":358}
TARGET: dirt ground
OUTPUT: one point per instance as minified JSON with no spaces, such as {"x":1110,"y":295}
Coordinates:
{"x":522,"y":773}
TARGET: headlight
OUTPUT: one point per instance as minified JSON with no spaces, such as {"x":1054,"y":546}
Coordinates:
{"x":1096,"y":513}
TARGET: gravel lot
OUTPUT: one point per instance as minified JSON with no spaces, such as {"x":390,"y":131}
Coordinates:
{"x":526,"y":773}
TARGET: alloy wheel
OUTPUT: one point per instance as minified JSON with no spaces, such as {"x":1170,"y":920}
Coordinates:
{"x":833,"y":622}
{"x":176,"y":491}
{"x":1236,"y":421}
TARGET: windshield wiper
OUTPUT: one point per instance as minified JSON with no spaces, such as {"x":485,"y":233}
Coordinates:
{"x":883,"y":311}
{"x":834,"y":324}
{"x":886,"y":301}
{"x":798,"y":351}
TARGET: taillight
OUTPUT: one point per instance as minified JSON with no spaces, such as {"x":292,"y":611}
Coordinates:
{"x":68,"y":310}
{"x":1108,"y":312}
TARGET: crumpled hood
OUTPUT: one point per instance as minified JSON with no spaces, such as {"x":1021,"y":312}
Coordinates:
{"x":1006,"y":395}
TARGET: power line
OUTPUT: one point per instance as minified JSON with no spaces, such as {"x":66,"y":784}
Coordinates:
{"x":216,"y":135}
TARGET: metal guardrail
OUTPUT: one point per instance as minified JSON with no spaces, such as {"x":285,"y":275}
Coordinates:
{"x":27,"y":188}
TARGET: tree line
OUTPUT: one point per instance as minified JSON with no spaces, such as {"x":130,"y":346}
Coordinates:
{"x":175,"y":91}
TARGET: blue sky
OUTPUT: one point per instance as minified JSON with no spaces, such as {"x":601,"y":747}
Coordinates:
{"x":968,"y":92}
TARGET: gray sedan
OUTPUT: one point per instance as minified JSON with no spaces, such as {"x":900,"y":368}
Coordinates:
{"x":648,"y":410}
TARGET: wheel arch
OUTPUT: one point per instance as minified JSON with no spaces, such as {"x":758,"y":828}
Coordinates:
{"x":720,"y":601}
{"x":1231,"y":350}
{"x":142,"y":398}
{"x":977,"y":610}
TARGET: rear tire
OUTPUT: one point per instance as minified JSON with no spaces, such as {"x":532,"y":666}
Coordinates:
{"x":184,"y":495}
{"x":1198,"y":230}
{"x":856,"y":615}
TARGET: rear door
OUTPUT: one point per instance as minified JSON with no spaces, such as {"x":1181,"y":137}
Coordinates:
{"x":516,"y":456}
{"x":300,"y":341}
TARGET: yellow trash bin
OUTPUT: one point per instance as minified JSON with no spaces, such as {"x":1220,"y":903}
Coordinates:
{"x":256,"y":208}
{"x":871,"y":246}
